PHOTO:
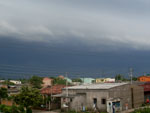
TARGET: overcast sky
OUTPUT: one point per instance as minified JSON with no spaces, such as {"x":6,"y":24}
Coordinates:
{"x":76,"y":33}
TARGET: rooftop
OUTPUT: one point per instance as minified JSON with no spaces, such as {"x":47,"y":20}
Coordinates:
{"x":57,"y":89}
{"x":46,"y":78}
{"x":97,"y":86}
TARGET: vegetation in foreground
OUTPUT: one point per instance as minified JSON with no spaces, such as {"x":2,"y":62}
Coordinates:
{"x":72,"y":111}
{"x":142,"y":110}
{"x":29,"y":97}
{"x":14,"y":109}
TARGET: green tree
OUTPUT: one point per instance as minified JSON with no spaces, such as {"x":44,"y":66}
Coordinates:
{"x":29,"y":97}
{"x":14,"y":109}
{"x":134,"y":78}
{"x":7,"y":82}
{"x":3,"y":93}
{"x":21,"y":109}
{"x":118,"y":77}
{"x":76,"y":80}
{"x":59,"y":81}
{"x":36,"y":81}
{"x":23,"y":81}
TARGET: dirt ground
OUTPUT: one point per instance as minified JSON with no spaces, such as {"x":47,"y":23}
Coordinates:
{"x":39,"y":111}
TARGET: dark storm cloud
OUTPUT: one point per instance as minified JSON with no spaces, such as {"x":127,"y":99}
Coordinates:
{"x":97,"y":24}
{"x":68,"y":33}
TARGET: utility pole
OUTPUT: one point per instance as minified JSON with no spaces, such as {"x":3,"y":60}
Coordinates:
{"x":67,"y":90}
{"x":50,"y":101}
{"x":131,"y":74}
{"x":66,"y":85}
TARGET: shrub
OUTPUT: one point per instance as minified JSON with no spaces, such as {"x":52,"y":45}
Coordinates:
{"x":14,"y":109}
{"x":29,"y":110}
{"x":144,"y":110}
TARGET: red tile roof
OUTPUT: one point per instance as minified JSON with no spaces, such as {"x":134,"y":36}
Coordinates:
{"x":57,"y":89}
{"x":61,"y":76}
{"x":46,"y":78}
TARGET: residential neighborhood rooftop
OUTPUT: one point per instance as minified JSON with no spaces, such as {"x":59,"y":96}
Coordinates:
{"x":97,"y":86}
{"x":57,"y":89}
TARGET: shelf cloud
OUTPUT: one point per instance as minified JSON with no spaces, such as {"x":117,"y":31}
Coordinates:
{"x":86,"y":27}
{"x":116,"y":24}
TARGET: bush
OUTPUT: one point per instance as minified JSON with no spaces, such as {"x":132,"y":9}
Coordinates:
{"x":2,"y":107}
{"x":13,"y":109}
{"x":144,"y":110}
{"x":21,"y":109}
{"x":29,"y":110}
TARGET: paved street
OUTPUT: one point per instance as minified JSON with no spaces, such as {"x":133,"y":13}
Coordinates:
{"x":39,"y":111}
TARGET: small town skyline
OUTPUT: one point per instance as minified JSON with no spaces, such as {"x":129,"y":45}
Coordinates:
{"x":74,"y":56}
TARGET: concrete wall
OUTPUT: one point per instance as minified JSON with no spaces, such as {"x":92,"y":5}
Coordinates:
{"x":99,"y":95}
{"x":133,"y":98}
{"x":138,"y":95}
{"x":124,"y":93}
{"x":78,"y":102}
{"x":85,"y":98}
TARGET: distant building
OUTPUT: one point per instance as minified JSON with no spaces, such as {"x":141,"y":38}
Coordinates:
{"x":51,"y":90}
{"x":3,"y":86}
{"x":61,"y":76}
{"x":15,"y":81}
{"x":102,"y":97}
{"x":144,"y":78}
{"x":76,"y":83}
{"x":47,"y":82}
{"x":87,"y":80}
{"x":1,"y":81}
{"x":146,"y":87}
{"x":68,"y":79}
{"x":103,"y":80}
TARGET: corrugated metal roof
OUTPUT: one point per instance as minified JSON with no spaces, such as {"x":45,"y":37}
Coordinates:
{"x":97,"y":86}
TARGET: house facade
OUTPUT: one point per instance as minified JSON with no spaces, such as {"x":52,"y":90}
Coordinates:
{"x":87,"y":80}
{"x":102,"y":80}
{"x":146,"y":87}
{"x":68,"y":79}
{"x":103,"y":96}
{"x":144,"y":78}
{"x":47,"y":82}
{"x":15,"y":81}
{"x":48,"y":92}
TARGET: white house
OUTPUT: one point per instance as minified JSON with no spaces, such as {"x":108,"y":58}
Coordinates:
{"x":15,"y":81}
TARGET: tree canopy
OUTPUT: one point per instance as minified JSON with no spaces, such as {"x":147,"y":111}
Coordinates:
{"x":7,"y":82}
{"x":59,"y":81}
{"x":76,"y":80}
{"x":36,"y":81}
{"x":3,"y":93}
{"x":29,"y":97}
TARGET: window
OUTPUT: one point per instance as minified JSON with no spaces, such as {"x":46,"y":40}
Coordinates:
{"x":103,"y":101}
{"x":70,"y":99}
{"x":64,"y":99}
{"x":95,"y":100}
